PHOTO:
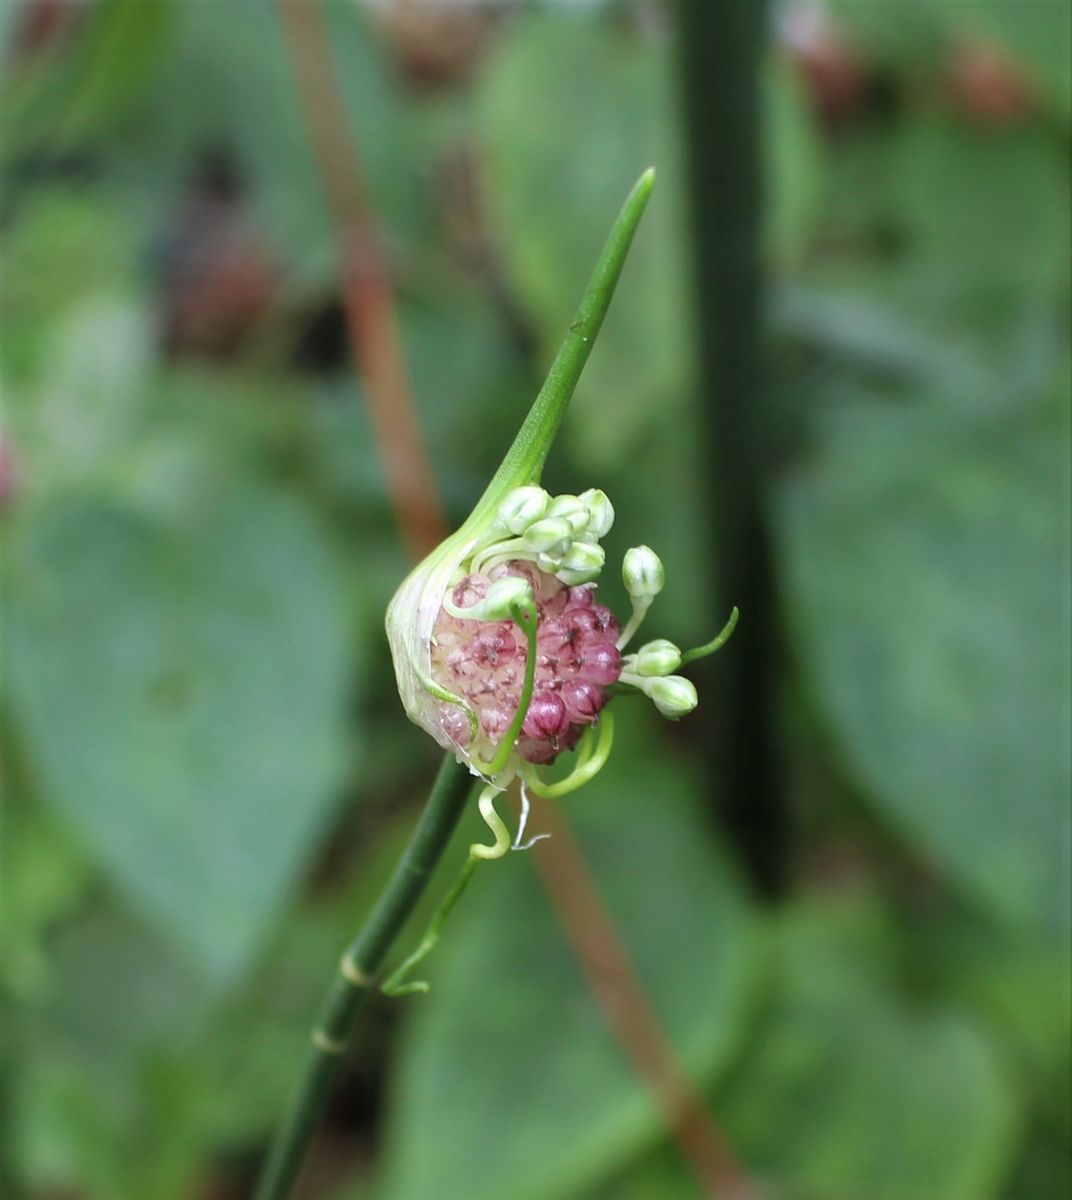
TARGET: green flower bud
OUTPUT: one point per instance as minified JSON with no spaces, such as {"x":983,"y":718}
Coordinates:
{"x":551,"y":536}
{"x":657,"y":658}
{"x":522,"y":507}
{"x":581,"y":564}
{"x":571,"y":509}
{"x":643,"y":573}
{"x":600,"y":511}
{"x":673,"y":696}
{"x":504,"y":598}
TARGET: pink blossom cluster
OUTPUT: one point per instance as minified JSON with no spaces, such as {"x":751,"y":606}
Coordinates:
{"x":484,"y":663}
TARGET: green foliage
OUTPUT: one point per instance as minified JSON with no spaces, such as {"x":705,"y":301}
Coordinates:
{"x":198,"y":549}
{"x":614,"y":99}
{"x":45,"y":880}
{"x":926,"y":555}
{"x":62,"y":253}
{"x":615,"y":96}
{"x":959,"y":195}
{"x":228,"y":83}
{"x":180,"y":691}
{"x":839,"y":1062}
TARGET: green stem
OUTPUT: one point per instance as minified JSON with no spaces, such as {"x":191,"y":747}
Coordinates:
{"x":590,"y":761}
{"x":716,"y":643}
{"x":529,"y":624}
{"x":395,"y":984}
{"x":525,"y":459}
{"x":726,"y":42}
{"x":356,"y":977}
{"x":636,"y":619}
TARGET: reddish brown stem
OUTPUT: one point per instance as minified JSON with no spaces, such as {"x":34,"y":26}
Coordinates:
{"x":368,"y":295}
{"x":628,"y":1011}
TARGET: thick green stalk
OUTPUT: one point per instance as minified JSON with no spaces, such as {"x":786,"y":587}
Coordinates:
{"x":721,"y":53}
{"x":525,"y":459}
{"x":356,"y":977}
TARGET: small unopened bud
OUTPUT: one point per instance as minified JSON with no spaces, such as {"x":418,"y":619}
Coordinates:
{"x":504,"y":597}
{"x":657,"y":658}
{"x":600,"y":511}
{"x":551,"y":536}
{"x":673,"y":696}
{"x":522,"y":507}
{"x":643,"y":573}
{"x":581,"y":564}
{"x":571,"y":509}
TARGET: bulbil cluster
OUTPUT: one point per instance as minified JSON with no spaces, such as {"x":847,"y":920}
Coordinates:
{"x":519,"y":659}
{"x":577,"y":659}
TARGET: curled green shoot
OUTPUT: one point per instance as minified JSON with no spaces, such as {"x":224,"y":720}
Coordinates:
{"x":716,"y":643}
{"x":527,"y":619}
{"x":592,"y":754}
{"x":396,"y":983}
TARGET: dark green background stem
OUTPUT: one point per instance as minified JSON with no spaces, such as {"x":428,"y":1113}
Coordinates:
{"x":366,"y":953}
{"x":721,"y":48}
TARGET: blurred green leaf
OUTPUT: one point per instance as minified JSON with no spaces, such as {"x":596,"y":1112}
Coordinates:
{"x":149,"y":91}
{"x":180,"y":691}
{"x":1022,"y":988}
{"x":511,"y":1027}
{"x":10,"y":16}
{"x":926,"y":560}
{"x":82,"y":413}
{"x":44,"y":879}
{"x":62,"y":252}
{"x":72,"y":85}
{"x":229,"y":86}
{"x":984,"y":214}
{"x":1037,"y":35}
{"x":125,"y":45}
{"x":796,"y":167}
{"x":902,"y":36}
{"x":129,"y":1069}
{"x":607,"y":117}
{"x":88,"y":1112}
{"x":850,"y":1092}
{"x":662,"y":1175}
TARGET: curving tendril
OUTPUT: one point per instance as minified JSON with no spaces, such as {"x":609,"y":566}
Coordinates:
{"x":396,"y":983}
{"x":527,"y":618}
{"x":593,"y":752}
{"x":716,"y":643}
{"x":486,"y":804}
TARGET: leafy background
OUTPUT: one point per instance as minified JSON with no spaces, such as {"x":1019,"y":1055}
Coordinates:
{"x":207,"y":773}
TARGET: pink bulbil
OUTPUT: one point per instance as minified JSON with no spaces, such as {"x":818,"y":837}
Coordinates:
{"x":484,"y":662}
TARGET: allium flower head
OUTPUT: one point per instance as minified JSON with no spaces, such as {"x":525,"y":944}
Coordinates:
{"x":504,"y":630}
{"x":502,"y":650}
